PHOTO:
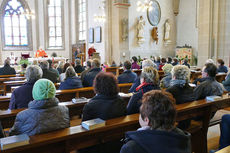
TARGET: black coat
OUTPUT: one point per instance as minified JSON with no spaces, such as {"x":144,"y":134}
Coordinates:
{"x":89,"y":77}
{"x":135,"y":101}
{"x":7,"y":70}
{"x":182,"y":94}
{"x":136,"y":83}
{"x":21,"y":96}
{"x":127,"y":77}
{"x":104,"y":107}
{"x":52,"y":76}
{"x":156,"y":141}
{"x":79,"y":69}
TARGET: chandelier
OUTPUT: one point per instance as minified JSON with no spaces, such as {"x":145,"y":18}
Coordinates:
{"x":28,"y":14}
{"x":144,"y":6}
{"x":101,"y":16}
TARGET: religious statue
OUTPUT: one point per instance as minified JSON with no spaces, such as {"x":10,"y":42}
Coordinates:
{"x":167,"y":29}
{"x":124,"y":29}
{"x":140,"y":31}
{"x":155,"y":34}
{"x":40,"y":53}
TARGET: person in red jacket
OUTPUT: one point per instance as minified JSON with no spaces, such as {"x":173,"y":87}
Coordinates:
{"x":91,"y":51}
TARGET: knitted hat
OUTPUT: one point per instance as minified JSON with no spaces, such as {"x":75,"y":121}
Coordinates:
{"x":43,"y":89}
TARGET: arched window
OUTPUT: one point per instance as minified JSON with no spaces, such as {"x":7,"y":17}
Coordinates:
{"x":15,"y":26}
{"x":55,"y":24}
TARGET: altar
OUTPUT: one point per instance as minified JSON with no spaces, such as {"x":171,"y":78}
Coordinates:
{"x":54,"y":59}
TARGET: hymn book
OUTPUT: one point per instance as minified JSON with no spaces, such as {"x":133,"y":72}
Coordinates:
{"x":93,"y":124}
{"x":213,"y":98}
{"x":14,"y":141}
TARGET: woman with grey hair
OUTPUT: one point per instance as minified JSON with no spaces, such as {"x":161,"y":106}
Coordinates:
{"x":180,"y":89}
{"x":71,"y":80}
{"x":22,"y":95}
{"x":165,"y":82}
{"x":149,"y":81}
{"x":137,"y":82}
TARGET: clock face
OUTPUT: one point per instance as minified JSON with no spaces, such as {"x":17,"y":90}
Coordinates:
{"x":154,"y":15}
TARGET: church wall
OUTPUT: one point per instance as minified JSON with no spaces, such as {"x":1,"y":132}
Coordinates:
{"x":39,"y":31}
{"x":149,"y":47}
{"x":187,"y":30}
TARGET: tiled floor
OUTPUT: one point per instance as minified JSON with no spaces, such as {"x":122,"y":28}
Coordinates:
{"x":213,"y":137}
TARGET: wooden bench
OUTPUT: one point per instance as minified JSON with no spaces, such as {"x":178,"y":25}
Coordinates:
{"x":14,"y":75}
{"x":74,"y":138}
{"x":224,"y":150}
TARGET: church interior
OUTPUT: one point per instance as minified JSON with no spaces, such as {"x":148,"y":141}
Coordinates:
{"x":109,"y":76}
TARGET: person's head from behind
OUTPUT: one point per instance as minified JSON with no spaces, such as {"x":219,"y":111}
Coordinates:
{"x":127,"y":65}
{"x":134,"y":59}
{"x":185,"y":60}
{"x":163,"y":60}
{"x":181,"y":72}
{"x":105,"y":84}
{"x":169,"y":60}
{"x":148,"y":63}
{"x":209,"y":61}
{"x":44,"y":65}
{"x":7,"y":62}
{"x":167,"y":68}
{"x":33,"y":73}
{"x":78,"y":62}
{"x":89,"y":64}
{"x":159,"y":59}
{"x":70,"y":72}
{"x":149,"y":75}
{"x":96,"y":63}
{"x":43,"y":89}
{"x":220,"y":62}
{"x":50,"y":63}
{"x":66,"y":65}
{"x":24,"y":66}
{"x":157,"y":110}
{"x":175,"y":60}
{"x":209,"y":70}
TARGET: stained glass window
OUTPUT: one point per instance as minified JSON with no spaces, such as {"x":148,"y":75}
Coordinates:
{"x":15,"y":25}
{"x":55,"y":24}
{"x":82,"y":19}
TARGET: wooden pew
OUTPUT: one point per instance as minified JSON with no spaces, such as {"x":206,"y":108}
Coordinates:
{"x":68,"y":95}
{"x":75,"y":138}
{"x":14,"y":75}
{"x":221,"y":77}
{"x":112,"y":70}
{"x":225,"y":150}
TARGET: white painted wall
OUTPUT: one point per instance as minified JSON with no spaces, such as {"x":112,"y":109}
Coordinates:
{"x":149,"y":47}
{"x":187,"y":32}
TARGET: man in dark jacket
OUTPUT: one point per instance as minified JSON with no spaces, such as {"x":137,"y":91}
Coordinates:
{"x":23,"y":95}
{"x":210,"y":87}
{"x":127,"y":76}
{"x":89,"y":77}
{"x":51,"y":67}
{"x":52,"y":76}
{"x":157,"y":133}
{"x":7,"y":70}
{"x":78,"y":68}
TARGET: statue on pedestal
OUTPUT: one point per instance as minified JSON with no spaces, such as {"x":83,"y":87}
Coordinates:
{"x":167,"y":30}
{"x":140,"y":31}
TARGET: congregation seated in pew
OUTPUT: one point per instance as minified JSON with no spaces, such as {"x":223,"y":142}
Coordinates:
{"x":221,"y":67}
{"x":87,"y":69}
{"x":91,"y":74}
{"x":71,"y":80}
{"x":127,"y":76}
{"x":78,"y":68}
{"x":157,"y":132}
{"x":7,"y":69}
{"x":209,"y":87}
{"x":47,"y":74}
{"x":149,"y":81}
{"x":43,"y":113}
{"x":62,"y":75}
{"x":22,"y":95}
{"x":51,"y":67}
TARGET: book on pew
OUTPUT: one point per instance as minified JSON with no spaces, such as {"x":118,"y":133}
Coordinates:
{"x":80,"y":100}
{"x":213,"y":98}
{"x":93,"y":124}
{"x":14,"y":141}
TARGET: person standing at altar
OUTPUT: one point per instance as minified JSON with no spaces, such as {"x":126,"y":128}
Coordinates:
{"x":91,"y":50}
{"x":40,"y":53}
